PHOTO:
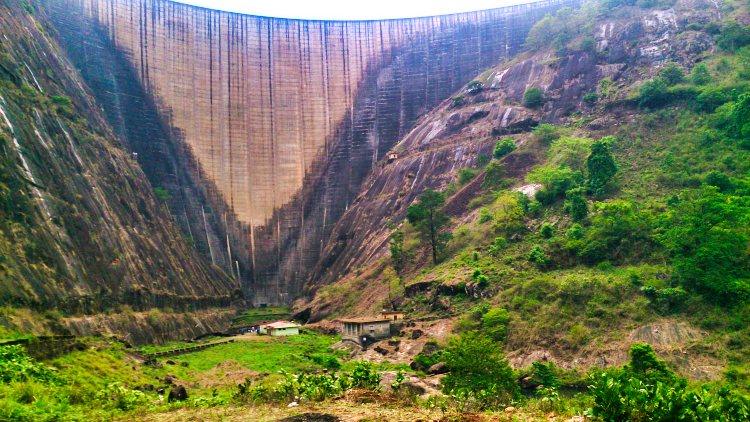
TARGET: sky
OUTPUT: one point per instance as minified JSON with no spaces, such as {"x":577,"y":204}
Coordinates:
{"x":350,"y":9}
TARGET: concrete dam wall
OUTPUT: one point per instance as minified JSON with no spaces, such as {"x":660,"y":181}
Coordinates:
{"x":258,"y":131}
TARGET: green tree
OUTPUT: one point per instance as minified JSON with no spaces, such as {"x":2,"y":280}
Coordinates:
{"x":671,"y":74}
{"x":476,"y":363}
{"x":576,"y":204}
{"x":503,"y":147}
{"x":396,"y":245}
{"x":426,"y":216}
{"x":733,"y":36}
{"x":601,"y":166}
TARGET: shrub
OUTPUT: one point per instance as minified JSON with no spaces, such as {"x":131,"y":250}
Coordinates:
{"x":503,"y":147}
{"x":458,"y":101}
{"x":569,"y":151}
{"x":477,"y":365}
{"x":495,"y":323}
{"x":466,"y":175}
{"x":556,"y":181}
{"x":590,"y":98}
{"x":653,"y":94}
{"x":575,"y":231}
{"x":494,"y":176}
{"x":509,"y":216}
{"x":601,"y":167}
{"x":700,"y":75}
{"x":325,"y":360}
{"x":547,"y":133}
{"x":671,"y":74}
{"x":482,"y":160}
{"x":474,"y":87}
{"x":546,"y":231}
{"x":364,"y":376}
{"x":576,"y":204}
{"x":618,"y":230}
{"x":538,"y":256}
{"x":17,"y":366}
{"x":706,"y":238}
{"x":533,"y":97}
{"x":484,"y":216}
{"x":732,"y":36}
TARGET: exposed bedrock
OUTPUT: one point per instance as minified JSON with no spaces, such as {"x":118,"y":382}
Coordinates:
{"x":81,"y":230}
{"x":263,"y":129}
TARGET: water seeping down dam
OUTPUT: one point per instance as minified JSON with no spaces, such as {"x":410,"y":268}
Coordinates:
{"x":258,"y":132}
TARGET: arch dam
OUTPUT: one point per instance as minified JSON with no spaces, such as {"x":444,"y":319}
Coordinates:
{"x":257,"y":132}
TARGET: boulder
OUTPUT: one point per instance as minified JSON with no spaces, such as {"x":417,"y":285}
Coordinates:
{"x":177,"y":393}
{"x":438,"y":368}
{"x":383,"y":351}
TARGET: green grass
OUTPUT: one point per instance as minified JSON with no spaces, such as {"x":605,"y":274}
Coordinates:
{"x":269,"y":355}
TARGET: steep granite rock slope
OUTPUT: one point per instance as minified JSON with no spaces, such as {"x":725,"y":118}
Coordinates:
{"x":81,"y":230}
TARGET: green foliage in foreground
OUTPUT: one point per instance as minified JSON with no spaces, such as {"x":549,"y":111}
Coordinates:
{"x":479,"y":369}
{"x":16,"y":365}
{"x":313,"y":387}
{"x":646,"y":390}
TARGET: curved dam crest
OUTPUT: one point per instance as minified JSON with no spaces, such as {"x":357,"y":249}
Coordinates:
{"x":261,"y":130}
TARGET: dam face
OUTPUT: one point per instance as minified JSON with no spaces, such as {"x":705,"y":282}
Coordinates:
{"x":259,"y":131}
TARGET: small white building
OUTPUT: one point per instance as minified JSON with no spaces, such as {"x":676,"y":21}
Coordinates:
{"x":280,"y":329}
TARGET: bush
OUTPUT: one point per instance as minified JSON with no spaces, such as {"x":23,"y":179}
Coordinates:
{"x":495,"y":323}
{"x":671,"y":74}
{"x":601,"y":167}
{"x":503,"y":147}
{"x":576,"y":204}
{"x":653,"y":94}
{"x":700,"y":75}
{"x":556,"y":181}
{"x":474,"y":87}
{"x":325,"y":360}
{"x":466,"y":175}
{"x":494,"y":176}
{"x":732,"y":36}
{"x":478,"y":368}
{"x":570,"y":151}
{"x":546,"y":231}
{"x":547,"y":133}
{"x":17,"y":366}
{"x":618,"y":230}
{"x":538,"y":256}
{"x":590,"y":98}
{"x":706,"y":238}
{"x":533,"y":97}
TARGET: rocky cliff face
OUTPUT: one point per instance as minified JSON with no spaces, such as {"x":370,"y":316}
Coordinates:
{"x":630,"y":47}
{"x":81,"y":230}
{"x":263,"y":129}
